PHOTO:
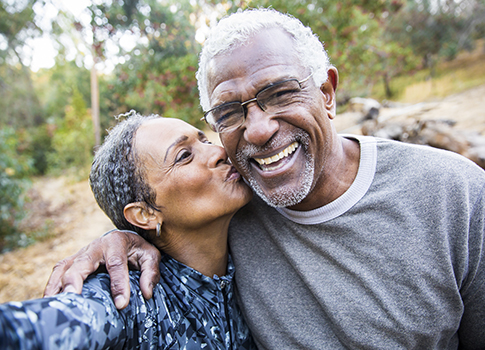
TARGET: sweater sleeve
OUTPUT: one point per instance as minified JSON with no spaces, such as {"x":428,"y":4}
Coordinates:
{"x":65,"y":321}
{"x":472,"y":326}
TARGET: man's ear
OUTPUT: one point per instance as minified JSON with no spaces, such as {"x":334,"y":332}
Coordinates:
{"x":139,"y":215}
{"x":328,"y":90}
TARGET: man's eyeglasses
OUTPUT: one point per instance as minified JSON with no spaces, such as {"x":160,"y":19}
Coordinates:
{"x":273,"y":99}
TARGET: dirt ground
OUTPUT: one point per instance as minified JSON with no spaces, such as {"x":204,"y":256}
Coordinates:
{"x":77,"y":219}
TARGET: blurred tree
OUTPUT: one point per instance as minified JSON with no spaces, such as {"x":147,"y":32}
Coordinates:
{"x":19,"y":103}
{"x":14,"y":170}
{"x":36,"y":143}
{"x":476,"y":24}
{"x":73,"y":139}
{"x":156,"y":74}
{"x":436,"y":29}
{"x":55,"y":87}
{"x":391,"y":62}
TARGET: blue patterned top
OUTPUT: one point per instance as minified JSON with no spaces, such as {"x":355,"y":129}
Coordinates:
{"x":188,"y":311}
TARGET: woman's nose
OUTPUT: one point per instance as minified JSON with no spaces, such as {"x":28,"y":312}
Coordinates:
{"x":217,"y":155}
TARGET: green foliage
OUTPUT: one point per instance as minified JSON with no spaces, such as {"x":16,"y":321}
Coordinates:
{"x":19,"y":103}
{"x":39,"y":147}
{"x":463,"y":73}
{"x":16,"y":18}
{"x":73,"y":139}
{"x":55,"y":87}
{"x":164,"y":26}
{"x":159,"y":74}
{"x":36,"y":143}
{"x":169,"y":88}
{"x":14,"y":172}
{"x":431,"y":29}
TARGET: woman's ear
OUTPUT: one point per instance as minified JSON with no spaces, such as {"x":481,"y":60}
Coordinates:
{"x":139,"y":215}
{"x":328,"y":90}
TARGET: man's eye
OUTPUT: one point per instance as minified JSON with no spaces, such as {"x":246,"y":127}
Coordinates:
{"x":184,"y":154}
{"x":225,"y":113}
{"x":280,"y":97}
{"x":283,"y":93}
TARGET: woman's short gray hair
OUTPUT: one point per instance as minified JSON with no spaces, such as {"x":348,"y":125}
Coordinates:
{"x":237,"y":28}
{"x":117,"y":175}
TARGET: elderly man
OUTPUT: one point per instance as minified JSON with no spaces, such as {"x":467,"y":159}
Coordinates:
{"x":354,"y":242}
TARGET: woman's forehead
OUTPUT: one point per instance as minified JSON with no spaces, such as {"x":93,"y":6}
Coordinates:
{"x":160,"y":133}
{"x":165,"y":122}
{"x":165,"y":126}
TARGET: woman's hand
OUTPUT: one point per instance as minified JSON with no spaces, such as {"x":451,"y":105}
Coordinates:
{"x":115,"y":251}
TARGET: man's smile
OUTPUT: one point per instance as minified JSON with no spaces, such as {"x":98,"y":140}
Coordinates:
{"x":274,"y":162}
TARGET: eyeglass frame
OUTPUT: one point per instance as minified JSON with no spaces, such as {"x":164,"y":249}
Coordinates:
{"x":254,"y":99}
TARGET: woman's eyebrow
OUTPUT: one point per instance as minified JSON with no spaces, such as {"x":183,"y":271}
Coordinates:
{"x":178,"y":141}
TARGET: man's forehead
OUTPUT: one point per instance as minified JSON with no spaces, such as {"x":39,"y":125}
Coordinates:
{"x":268,"y":50}
{"x":266,"y":42}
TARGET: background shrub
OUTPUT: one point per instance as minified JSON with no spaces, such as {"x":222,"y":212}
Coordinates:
{"x":14,"y":172}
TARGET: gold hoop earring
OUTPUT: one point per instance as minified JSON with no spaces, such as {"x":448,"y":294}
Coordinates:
{"x":159,"y":228}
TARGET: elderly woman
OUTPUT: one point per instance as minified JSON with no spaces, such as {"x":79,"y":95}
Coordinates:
{"x":163,"y":179}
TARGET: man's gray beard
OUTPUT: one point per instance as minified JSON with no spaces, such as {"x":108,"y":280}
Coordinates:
{"x":286,"y":197}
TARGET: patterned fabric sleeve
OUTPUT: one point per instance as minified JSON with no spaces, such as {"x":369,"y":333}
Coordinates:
{"x":187,"y":311}
{"x":65,"y":321}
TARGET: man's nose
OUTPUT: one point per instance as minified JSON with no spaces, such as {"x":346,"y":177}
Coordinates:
{"x":259,"y":125}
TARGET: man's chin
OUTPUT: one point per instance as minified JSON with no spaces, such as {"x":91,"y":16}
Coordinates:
{"x":283,"y":191}
{"x":285,"y":185}
{"x":283,"y":196}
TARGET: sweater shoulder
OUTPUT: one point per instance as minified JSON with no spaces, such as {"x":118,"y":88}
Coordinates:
{"x":397,"y":158}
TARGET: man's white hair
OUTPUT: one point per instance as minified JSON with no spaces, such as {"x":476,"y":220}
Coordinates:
{"x":234,"y":30}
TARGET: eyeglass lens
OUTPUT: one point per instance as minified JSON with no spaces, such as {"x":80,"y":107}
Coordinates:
{"x":274,"y":99}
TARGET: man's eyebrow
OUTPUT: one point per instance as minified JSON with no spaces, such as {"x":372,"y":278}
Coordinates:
{"x":201,"y":134}
{"x":178,"y":141}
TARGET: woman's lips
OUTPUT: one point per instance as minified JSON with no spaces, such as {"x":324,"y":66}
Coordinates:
{"x":232,"y":174}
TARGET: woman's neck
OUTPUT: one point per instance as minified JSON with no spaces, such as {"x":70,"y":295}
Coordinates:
{"x":204,"y":249}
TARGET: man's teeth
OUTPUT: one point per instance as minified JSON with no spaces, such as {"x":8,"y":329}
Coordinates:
{"x":284,"y":153}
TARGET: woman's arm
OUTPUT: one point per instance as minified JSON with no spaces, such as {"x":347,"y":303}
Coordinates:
{"x":114,"y":250}
{"x":65,"y":321}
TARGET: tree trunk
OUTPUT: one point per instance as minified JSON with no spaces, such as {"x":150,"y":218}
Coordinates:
{"x":387,"y":86}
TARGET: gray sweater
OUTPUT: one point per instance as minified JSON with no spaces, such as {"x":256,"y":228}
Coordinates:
{"x":396,"y":262}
